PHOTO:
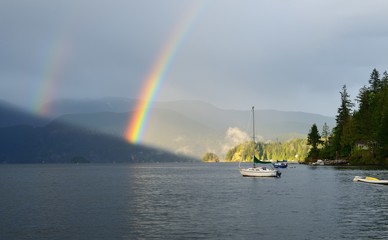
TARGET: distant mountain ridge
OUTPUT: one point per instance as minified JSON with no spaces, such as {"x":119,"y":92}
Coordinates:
{"x":184,"y":127}
{"x":63,"y":143}
{"x":107,"y":104}
{"x":10,"y":115}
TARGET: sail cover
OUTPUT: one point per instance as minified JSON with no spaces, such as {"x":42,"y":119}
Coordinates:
{"x":256,"y":160}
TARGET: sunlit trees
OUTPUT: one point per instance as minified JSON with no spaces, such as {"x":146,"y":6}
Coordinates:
{"x":325,"y":134}
{"x":314,"y":140}
{"x":210,"y":157}
{"x":294,"y":149}
{"x":360,"y":135}
{"x":324,"y":153}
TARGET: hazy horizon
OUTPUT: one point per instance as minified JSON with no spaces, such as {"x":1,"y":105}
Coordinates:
{"x":20,"y":107}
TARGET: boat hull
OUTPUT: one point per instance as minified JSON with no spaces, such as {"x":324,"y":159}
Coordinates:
{"x":280,"y":165}
{"x":259,"y":172}
{"x":372,"y":181}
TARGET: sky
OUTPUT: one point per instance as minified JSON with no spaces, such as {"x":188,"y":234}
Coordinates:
{"x":282,"y":55}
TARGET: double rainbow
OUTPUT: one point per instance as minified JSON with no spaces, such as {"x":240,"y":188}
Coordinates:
{"x":140,"y":117}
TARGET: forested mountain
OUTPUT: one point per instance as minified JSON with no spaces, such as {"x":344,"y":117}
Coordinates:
{"x":292,"y":150}
{"x":194,"y":128}
{"x":360,"y":135}
{"x":63,"y":143}
{"x":182,"y":127}
{"x":10,"y":115}
{"x":80,"y":106}
{"x":166,"y":130}
{"x":271,"y":124}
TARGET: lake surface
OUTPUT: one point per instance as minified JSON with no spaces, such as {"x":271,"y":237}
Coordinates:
{"x":189,"y":201}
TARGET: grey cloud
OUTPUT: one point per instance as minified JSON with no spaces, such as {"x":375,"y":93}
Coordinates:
{"x":274,"y":54}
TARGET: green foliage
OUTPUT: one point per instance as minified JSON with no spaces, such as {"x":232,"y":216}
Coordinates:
{"x":362,"y":135}
{"x":210,"y":157}
{"x":314,"y":140}
{"x":362,"y":157}
{"x":325,"y":134}
{"x":340,"y":139}
{"x":295,"y":149}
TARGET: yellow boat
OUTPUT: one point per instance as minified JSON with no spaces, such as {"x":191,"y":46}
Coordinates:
{"x":370,"y":180}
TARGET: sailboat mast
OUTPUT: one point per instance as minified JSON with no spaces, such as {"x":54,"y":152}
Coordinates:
{"x":253,"y":119}
{"x":253,"y":136}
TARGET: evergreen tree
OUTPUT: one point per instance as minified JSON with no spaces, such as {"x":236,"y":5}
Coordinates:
{"x":382,"y":134}
{"x":325,"y":150}
{"x":369,"y":117}
{"x":339,"y":144}
{"x":374,"y":81}
{"x":384,"y":80}
{"x":314,"y":139}
{"x":325,"y":134}
{"x":382,"y":125}
{"x":363,"y":116}
{"x":366,"y":127}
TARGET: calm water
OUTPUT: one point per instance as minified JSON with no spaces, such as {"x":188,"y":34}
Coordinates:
{"x":188,"y":201}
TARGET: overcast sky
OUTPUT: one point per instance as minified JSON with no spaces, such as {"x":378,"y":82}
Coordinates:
{"x":284,"y":55}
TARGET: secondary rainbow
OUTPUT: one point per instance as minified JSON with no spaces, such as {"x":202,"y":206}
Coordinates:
{"x":51,"y":77}
{"x":140,"y":117}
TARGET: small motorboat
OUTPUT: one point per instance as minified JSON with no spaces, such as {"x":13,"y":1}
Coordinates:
{"x":370,"y":180}
{"x":280,"y":164}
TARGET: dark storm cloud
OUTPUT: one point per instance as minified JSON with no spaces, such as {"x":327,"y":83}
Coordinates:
{"x":274,"y":54}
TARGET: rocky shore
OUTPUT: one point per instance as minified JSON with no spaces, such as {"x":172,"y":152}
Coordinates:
{"x":336,"y":162}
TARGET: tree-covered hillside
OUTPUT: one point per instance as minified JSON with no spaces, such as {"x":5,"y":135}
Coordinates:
{"x":361,"y":133}
{"x":62,"y":143}
{"x":293,"y":150}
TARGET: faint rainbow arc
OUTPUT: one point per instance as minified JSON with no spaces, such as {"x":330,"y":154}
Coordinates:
{"x":140,"y":117}
{"x":52,"y":75}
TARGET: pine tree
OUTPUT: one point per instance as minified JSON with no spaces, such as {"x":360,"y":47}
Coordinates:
{"x":381,"y":115}
{"x":374,"y":81}
{"x":382,"y":133}
{"x":314,"y":139}
{"x":384,"y":80}
{"x":325,"y":134}
{"x":369,"y":117}
{"x":363,"y":116}
{"x":339,"y":144}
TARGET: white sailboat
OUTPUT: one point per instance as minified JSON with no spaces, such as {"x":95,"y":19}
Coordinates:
{"x":258,"y":171}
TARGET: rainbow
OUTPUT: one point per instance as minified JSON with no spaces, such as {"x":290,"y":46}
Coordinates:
{"x":140,"y":117}
{"x":52,"y":74}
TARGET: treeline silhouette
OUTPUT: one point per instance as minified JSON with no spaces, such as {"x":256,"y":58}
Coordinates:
{"x":361,"y":131}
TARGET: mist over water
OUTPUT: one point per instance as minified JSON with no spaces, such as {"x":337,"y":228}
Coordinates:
{"x":188,"y":200}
